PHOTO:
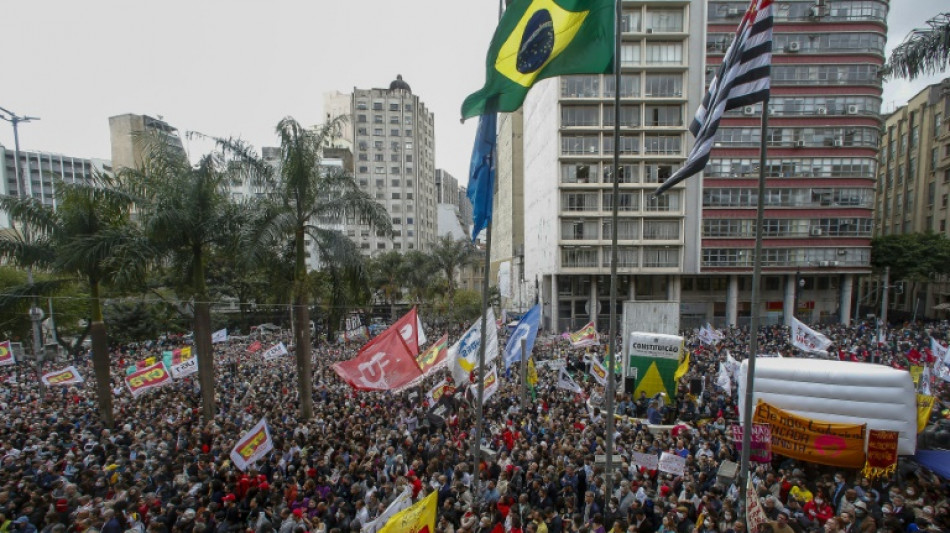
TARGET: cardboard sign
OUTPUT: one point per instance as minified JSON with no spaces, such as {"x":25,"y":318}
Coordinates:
{"x":672,"y":464}
{"x":811,"y":440}
{"x":645,"y":460}
{"x":147,"y":378}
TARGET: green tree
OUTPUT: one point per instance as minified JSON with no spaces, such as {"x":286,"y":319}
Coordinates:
{"x":308,"y":193}
{"x":923,"y":51}
{"x":452,"y":255}
{"x":912,"y":256}
{"x":386,"y":278}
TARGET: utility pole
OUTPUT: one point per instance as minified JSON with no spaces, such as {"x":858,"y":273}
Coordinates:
{"x":882,"y":320}
{"x":36,"y":313}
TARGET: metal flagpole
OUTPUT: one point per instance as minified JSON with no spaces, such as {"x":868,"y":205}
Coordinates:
{"x":754,"y":322}
{"x":611,"y":342}
{"x":524,"y":374}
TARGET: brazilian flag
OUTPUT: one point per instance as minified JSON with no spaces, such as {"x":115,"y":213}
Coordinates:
{"x":538,"y":39}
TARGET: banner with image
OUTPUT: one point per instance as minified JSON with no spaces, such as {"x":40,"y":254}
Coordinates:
{"x":813,"y":441}
{"x":255,"y":444}
{"x":66,"y":376}
{"x":6,"y":354}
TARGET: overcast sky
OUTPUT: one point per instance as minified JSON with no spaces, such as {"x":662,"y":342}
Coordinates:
{"x":234,"y":68}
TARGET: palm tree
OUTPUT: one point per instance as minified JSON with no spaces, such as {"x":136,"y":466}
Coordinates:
{"x":924,"y":51}
{"x":450,"y":256}
{"x":308,"y":193}
{"x":90,"y":235}
{"x":186,"y":211}
{"x":386,"y":277}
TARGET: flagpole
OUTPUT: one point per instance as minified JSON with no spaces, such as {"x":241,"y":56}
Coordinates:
{"x":754,"y":319}
{"x":477,"y":434}
{"x":611,"y":342}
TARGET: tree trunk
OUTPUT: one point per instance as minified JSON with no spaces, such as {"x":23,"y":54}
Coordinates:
{"x":302,"y":333}
{"x":100,"y":359}
{"x":202,"y":327}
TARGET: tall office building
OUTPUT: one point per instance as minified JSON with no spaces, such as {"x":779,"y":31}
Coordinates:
{"x":134,"y":135}
{"x":41,"y":173}
{"x":567,"y":153}
{"x":393,"y":136}
{"x":824,"y":128}
{"x":913,"y":187}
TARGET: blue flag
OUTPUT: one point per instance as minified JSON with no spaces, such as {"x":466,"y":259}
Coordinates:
{"x":481,"y":180}
{"x":527,"y":329}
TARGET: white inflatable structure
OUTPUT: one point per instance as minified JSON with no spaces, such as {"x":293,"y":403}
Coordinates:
{"x":838,"y":391}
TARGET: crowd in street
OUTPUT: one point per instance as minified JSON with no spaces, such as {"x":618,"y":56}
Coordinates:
{"x":162,"y":468}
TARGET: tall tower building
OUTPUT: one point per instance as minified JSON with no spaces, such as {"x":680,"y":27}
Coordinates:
{"x":823,"y":135}
{"x":568,"y":147}
{"x":393,"y":138}
{"x":133,"y":135}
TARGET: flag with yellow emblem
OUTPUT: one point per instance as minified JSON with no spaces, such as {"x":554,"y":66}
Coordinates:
{"x":420,"y":518}
{"x":538,"y":39}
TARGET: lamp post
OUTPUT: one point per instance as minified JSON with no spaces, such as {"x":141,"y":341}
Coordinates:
{"x":36,"y":314}
{"x":799,"y":286}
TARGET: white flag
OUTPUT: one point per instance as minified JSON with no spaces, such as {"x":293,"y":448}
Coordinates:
{"x":709,"y":335}
{"x":464,"y":353}
{"x":401,"y":503}
{"x":274,"y":352}
{"x":940,"y":352}
{"x":565,"y":381}
{"x":806,"y":339}
{"x":732,"y":366}
{"x":219,"y":336}
{"x":598,"y":371}
{"x":255,"y":444}
{"x":722,"y":380}
{"x":491,"y":386}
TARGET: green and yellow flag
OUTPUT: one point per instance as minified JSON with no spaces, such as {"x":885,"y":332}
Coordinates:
{"x":538,"y":39}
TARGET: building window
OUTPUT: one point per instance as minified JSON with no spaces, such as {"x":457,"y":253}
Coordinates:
{"x":664,"y":85}
{"x":580,"y":86}
{"x":579,"y":116}
{"x":661,"y":230}
{"x":665,"y":20}
{"x":663,"y":115}
{"x":578,"y":173}
{"x":580,"y":144}
{"x":665,"y":257}
{"x":630,"y":22}
{"x":630,"y":54}
{"x":394,"y":132}
{"x":662,"y":144}
{"x":664,"y":53}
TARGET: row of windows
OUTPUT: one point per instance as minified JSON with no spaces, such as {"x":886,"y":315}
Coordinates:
{"x":380,"y":145}
{"x":857,"y":74}
{"x":380,"y":169}
{"x":627,"y":257}
{"x":815,"y":105}
{"x":394,"y":157}
{"x":806,"y":167}
{"x":381,"y":183}
{"x":651,"y":172}
{"x":787,"y":257}
{"x":378,"y":119}
{"x":807,"y":197}
{"x":379,"y":132}
{"x":809,"y":43}
{"x":654,"y":86}
{"x":378,"y":106}
{"x":629,"y":201}
{"x":595,"y":116}
{"x":627,"y":229}
{"x":838,"y":11}
{"x":831,"y":227}
{"x":657,"y":20}
{"x":657,"y":53}
{"x":652,"y":144}
{"x":800,"y":137}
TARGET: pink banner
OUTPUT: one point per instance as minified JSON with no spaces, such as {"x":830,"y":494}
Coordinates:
{"x":761,"y":442}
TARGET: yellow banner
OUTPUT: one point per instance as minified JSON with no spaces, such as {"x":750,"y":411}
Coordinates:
{"x":532,"y":373}
{"x":925,"y":405}
{"x":811,"y":440}
{"x":915,"y":372}
{"x":420,"y":518}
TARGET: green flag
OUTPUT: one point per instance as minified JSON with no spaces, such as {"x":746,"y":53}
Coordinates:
{"x":538,"y":39}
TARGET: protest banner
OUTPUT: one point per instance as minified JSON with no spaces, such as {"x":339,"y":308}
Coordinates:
{"x":255,"y":444}
{"x":274,"y":352}
{"x":754,"y":513}
{"x":6,"y":354}
{"x":672,"y":464}
{"x":645,"y":460}
{"x":66,"y":376}
{"x":882,"y":453}
{"x":760,"y":449}
{"x":147,"y":378}
{"x":812,"y":440}
{"x":185,"y":368}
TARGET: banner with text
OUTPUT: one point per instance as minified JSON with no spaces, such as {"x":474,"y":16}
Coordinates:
{"x":760,"y":446}
{"x":882,"y":453}
{"x":150,"y":377}
{"x":66,"y":376}
{"x":811,"y":440}
{"x":274,"y":352}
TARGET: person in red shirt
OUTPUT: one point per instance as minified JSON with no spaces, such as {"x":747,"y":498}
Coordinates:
{"x":818,"y":509}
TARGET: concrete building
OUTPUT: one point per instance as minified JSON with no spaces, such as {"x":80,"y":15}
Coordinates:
{"x":913,"y":187}
{"x":134,"y":135}
{"x":567,"y":154}
{"x":393,"y":136}
{"x":41,"y":172}
{"x":454,"y":208}
{"x":824,"y":128}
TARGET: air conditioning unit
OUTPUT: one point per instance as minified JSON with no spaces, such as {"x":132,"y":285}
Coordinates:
{"x":793,"y":47}
{"x":822,"y":110}
{"x":800,"y":144}
{"x":734,"y":11}
{"x":838,"y":142}
{"x":649,"y":31}
{"x":814,"y":12}
{"x":825,"y":263}
{"x":748,"y":110}
{"x":815,"y":232}
{"x":852,"y":109}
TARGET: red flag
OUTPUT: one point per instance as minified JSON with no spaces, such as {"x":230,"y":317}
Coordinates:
{"x":255,"y":346}
{"x":408,"y":328}
{"x":384,"y":364}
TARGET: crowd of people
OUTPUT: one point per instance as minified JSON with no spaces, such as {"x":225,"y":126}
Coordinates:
{"x":162,"y":468}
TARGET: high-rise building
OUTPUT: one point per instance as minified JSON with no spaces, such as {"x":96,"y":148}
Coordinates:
{"x":41,"y":171}
{"x":455,"y":210}
{"x":134,"y":135}
{"x":913,"y":187}
{"x":823,"y":135}
{"x":567,"y":153}
{"x":393,"y":136}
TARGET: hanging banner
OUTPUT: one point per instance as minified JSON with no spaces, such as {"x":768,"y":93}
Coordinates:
{"x":645,"y":460}
{"x":150,"y":377}
{"x":6,"y":354}
{"x":66,"y":376}
{"x":274,"y":352}
{"x":255,"y":444}
{"x":811,"y":440}
{"x":882,"y":453}
{"x":760,"y":447}
{"x":672,"y":464}
{"x":925,"y":405}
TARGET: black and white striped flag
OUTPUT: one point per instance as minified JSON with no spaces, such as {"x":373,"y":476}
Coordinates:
{"x":743,"y":79}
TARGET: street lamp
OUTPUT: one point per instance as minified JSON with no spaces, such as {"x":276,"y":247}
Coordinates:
{"x":798,"y":292}
{"x":36,"y":314}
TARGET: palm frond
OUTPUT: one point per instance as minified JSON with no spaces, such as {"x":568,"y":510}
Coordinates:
{"x":924,"y":51}
{"x":38,"y":253}
{"x":16,"y":294}
{"x":29,"y":211}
